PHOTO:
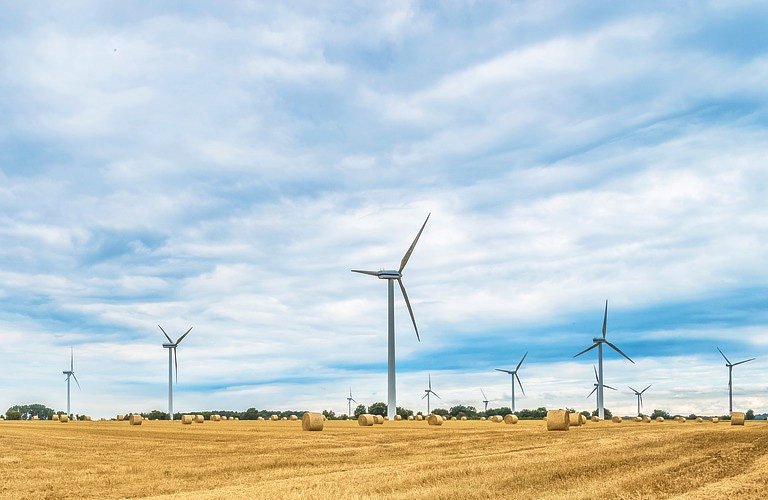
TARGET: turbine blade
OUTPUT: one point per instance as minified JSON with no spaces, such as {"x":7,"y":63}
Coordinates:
{"x":176,"y":362}
{"x":410,"y":311}
{"x":182,"y":337}
{"x":354,"y":401}
{"x":505,"y":371}
{"x":430,"y":381}
{"x":587,"y":349}
{"x":593,"y":391}
{"x":481,"y":390}
{"x":609,"y":387}
{"x":519,"y":383}
{"x":619,"y":351}
{"x":78,"y":383}
{"x":649,"y":385}
{"x":166,"y":335}
{"x":521,"y":362}
{"x":425,"y":395}
{"x":438,"y":397}
{"x":605,"y":317}
{"x":71,"y":359}
{"x":596,"y":377}
{"x":631,"y":389}
{"x":413,"y":245}
{"x":723,"y":355}
{"x":371,"y":273}
{"x":745,"y":361}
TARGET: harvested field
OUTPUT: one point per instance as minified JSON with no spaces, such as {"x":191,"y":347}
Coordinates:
{"x":474,"y":460}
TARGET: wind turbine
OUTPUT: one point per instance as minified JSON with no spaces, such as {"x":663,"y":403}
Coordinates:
{"x":485,"y":401}
{"x":639,"y":397}
{"x":515,"y":376}
{"x":597,"y":383}
{"x":730,"y":379}
{"x":349,"y":403}
{"x":428,"y":392}
{"x":172,"y":361}
{"x":598,"y":342}
{"x":70,"y":374}
{"x":391,"y":276}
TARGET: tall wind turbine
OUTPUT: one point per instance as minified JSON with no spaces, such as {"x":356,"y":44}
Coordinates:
{"x":515,"y":376}
{"x":70,"y":374}
{"x":639,"y":397}
{"x":391,"y":276}
{"x":598,"y":342}
{"x":172,"y":361}
{"x":349,"y":403}
{"x":596,"y":384}
{"x":428,"y":392}
{"x":485,"y":401}
{"x":730,"y":379}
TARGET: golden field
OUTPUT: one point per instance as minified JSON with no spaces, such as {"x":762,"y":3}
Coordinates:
{"x":472,"y":460}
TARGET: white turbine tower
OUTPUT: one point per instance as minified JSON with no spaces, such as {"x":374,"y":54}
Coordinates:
{"x":428,"y":392}
{"x":391,"y":276}
{"x":514,"y":376}
{"x":730,"y":379}
{"x":172,"y":361}
{"x":598,"y":342}
{"x":349,"y":403}
{"x":639,"y":397}
{"x":70,"y":374}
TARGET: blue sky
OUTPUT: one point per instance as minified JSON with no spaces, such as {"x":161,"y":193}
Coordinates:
{"x":225,"y":166}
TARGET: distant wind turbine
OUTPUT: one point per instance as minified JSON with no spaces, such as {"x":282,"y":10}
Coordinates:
{"x":428,"y":392}
{"x":70,"y":374}
{"x":730,"y":379}
{"x":639,"y":397}
{"x":391,"y":276}
{"x":596,"y":384}
{"x":172,"y":361}
{"x":349,"y":403}
{"x":598,"y":342}
{"x":515,"y":376}
{"x":485,"y":399}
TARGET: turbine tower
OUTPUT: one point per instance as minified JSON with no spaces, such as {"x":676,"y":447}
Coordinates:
{"x":515,"y":376}
{"x":639,"y":397}
{"x":172,"y":361}
{"x":597,"y":383}
{"x":485,"y":401}
{"x":428,"y":392}
{"x":598,"y":342}
{"x":730,"y":379}
{"x":349,"y":403}
{"x":391,"y":276}
{"x":70,"y":374}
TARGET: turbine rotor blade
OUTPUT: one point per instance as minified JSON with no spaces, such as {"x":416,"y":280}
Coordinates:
{"x":438,"y":397}
{"x":176,"y":362}
{"x":430,"y":381}
{"x":609,"y":387}
{"x":182,"y":337}
{"x":425,"y":395}
{"x":413,"y":245}
{"x":78,"y":383}
{"x":370,"y":273}
{"x":619,"y":351}
{"x":166,"y":335}
{"x":481,"y":390}
{"x":71,"y":358}
{"x":593,"y":391}
{"x":649,"y":385}
{"x":723,"y":355}
{"x":605,"y":318}
{"x":745,"y":361}
{"x":519,"y":383}
{"x":521,"y":362}
{"x":596,"y":377}
{"x":505,"y":371}
{"x":408,"y":303}
{"x":585,"y":350}
{"x":631,"y":389}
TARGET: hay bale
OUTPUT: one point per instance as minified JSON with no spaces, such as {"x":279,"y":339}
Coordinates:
{"x":419,"y":418}
{"x":715,"y":420}
{"x":238,"y":418}
{"x":398,"y":417}
{"x":573,"y":419}
{"x":682,"y":420}
{"x":284,"y":418}
{"x":677,"y":419}
{"x":378,"y":419}
{"x":135,"y":419}
{"x":199,"y":419}
{"x":558,"y":420}
{"x":260,"y":418}
{"x":293,"y":418}
{"x":737,"y":418}
{"x":35,"y":417}
{"x":646,"y":419}
{"x":386,"y":419}
{"x":365,"y":420}
{"x":312,"y":421}
{"x":510,"y":419}
{"x":218,"y":418}
{"x":274,"y":418}
{"x":482,"y":419}
{"x":463,"y":419}
{"x":63,"y":418}
{"x":595,"y":418}
{"x":410,"y":417}
{"x":55,"y":418}
{"x":616,"y":419}
{"x":699,"y":420}
{"x":498,"y":419}
{"x":637,"y":419}
{"x":660,"y":419}
{"x":120,"y":418}
{"x":187,"y":419}
{"x":435,"y":420}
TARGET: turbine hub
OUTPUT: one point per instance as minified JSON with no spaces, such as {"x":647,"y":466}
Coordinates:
{"x":598,"y":340}
{"x":169,"y":346}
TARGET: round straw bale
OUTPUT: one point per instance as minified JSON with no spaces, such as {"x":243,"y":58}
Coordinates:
{"x":398,"y":417}
{"x":558,"y":420}
{"x":714,"y":420}
{"x":87,"y":418}
{"x":199,"y":419}
{"x":498,"y":419}
{"x":238,"y":418}
{"x":259,"y":418}
{"x":186,"y":419}
{"x":435,"y":420}
{"x":482,"y":418}
{"x":463,"y":418}
{"x":312,"y":421}
{"x":616,"y":419}
{"x":365,"y":420}
{"x":595,"y":418}
{"x":682,"y":420}
{"x":385,"y":418}
{"x":510,"y":419}
{"x":737,"y":418}
{"x":378,"y":419}
{"x":419,"y":417}
{"x":660,"y":419}
{"x":135,"y":419}
{"x":63,"y":418}
{"x":119,"y":418}
{"x":646,"y":419}
{"x":410,"y":417}
{"x":55,"y":418}
{"x":677,"y":419}
{"x":573,"y":419}
{"x":293,"y":417}
{"x":274,"y":418}
{"x":699,"y":420}
{"x":637,"y":419}
{"x":284,"y":418}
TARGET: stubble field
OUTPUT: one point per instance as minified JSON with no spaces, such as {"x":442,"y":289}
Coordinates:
{"x":472,"y":460}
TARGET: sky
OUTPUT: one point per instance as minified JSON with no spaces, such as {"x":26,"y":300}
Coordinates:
{"x":223,"y":166}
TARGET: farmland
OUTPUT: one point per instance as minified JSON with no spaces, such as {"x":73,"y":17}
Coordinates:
{"x":250,"y":459}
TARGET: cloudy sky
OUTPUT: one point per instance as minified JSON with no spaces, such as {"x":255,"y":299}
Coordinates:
{"x":225,"y":165}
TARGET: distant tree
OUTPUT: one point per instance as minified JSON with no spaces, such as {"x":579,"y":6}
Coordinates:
{"x":13,"y":414}
{"x":526,"y":414}
{"x":33,"y":410}
{"x":459,"y":411}
{"x":343,"y":416}
{"x":359,"y":411}
{"x":660,"y":413}
{"x":692,"y":416}
{"x":157,"y":415}
{"x":608,"y":413}
{"x":504,"y":410}
{"x":378,"y":409}
{"x":750,"y":415}
{"x":441,"y":411}
{"x":404,"y":412}
{"x":586,"y":414}
{"x":329,"y":414}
